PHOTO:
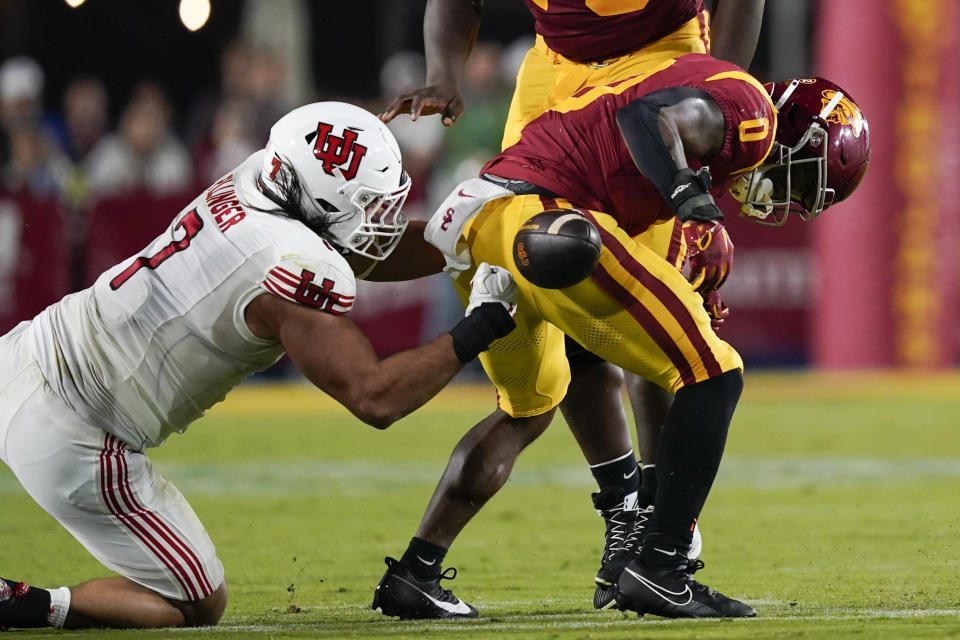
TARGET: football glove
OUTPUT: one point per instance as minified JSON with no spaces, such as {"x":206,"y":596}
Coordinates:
{"x":710,"y":254}
{"x":492,"y":284}
{"x":489,"y":315}
{"x":716,"y":309}
{"x":690,"y":196}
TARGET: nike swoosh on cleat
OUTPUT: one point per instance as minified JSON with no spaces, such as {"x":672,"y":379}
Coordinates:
{"x":465,"y":195}
{"x":429,"y":564}
{"x":450,"y":607}
{"x":666,"y":553}
{"x":662,"y":592}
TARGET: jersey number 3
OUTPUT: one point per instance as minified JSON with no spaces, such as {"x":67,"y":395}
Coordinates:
{"x":191,"y":225}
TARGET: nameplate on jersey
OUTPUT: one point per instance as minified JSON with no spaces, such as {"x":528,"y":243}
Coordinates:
{"x":224,"y":204}
{"x":304,"y":289}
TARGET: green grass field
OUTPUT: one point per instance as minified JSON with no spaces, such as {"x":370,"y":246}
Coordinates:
{"x":836,"y":514}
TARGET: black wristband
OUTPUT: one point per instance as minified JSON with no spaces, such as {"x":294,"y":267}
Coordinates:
{"x":474,"y":333}
{"x":690,"y":196}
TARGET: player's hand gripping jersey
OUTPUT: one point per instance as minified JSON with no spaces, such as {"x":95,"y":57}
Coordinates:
{"x":161,"y":337}
{"x":576,"y":150}
{"x":597,"y":30}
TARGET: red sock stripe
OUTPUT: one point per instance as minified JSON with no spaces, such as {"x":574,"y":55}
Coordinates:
{"x":144,"y":530}
{"x":166,"y":532}
{"x":667,"y":298}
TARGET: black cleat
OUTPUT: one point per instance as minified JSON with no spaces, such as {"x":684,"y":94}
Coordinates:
{"x":22,"y":606}
{"x":672,"y":592}
{"x":624,"y":521}
{"x":604,"y":595}
{"x":403,"y":595}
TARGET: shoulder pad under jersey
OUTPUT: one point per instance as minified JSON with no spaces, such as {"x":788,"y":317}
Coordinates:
{"x":323,"y":282}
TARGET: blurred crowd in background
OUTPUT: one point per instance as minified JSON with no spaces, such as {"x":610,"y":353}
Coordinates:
{"x":94,"y":164}
{"x":78,"y":153}
{"x":113,"y":117}
{"x":104,"y":178}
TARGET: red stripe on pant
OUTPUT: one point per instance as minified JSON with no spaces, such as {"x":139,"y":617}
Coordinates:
{"x":676,"y":238}
{"x":165,"y":532}
{"x":138,"y":529}
{"x":703,"y":18}
{"x":548,"y":203}
{"x":642,"y":315}
{"x":667,"y":298}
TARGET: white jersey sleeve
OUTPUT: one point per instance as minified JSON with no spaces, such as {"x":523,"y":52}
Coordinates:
{"x":321,"y":282}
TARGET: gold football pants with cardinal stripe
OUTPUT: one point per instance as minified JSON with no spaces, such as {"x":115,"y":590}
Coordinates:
{"x":636,"y":310}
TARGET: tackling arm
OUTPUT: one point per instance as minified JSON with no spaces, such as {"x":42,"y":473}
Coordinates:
{"x":449,"y":31}
{"x":735,"y":29}
{"x":413,"y":258}
{"x":332,"y":352}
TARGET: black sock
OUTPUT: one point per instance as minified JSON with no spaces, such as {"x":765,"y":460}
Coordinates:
{"x":648,"y":485}
{"x":23,"y":606}
{"x":424,"y":558}
{"x":620,"y":472}
{"x":688,"y":457}
{"x":648,"y":475}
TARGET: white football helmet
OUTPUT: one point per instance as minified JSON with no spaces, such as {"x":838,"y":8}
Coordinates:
{"x":344,"y":165}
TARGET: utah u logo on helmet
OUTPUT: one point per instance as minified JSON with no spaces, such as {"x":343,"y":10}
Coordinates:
{"x":343,"y":152}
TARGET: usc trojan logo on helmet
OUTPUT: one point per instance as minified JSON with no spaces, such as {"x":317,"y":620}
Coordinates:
{"x":845,"y":113}
{"x":343,"y":152}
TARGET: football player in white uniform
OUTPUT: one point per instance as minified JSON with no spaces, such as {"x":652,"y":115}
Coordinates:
{"x":258,"y":265}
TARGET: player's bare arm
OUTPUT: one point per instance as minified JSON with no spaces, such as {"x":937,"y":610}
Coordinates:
{"x":334,"y":355}
{"x":413,"y":258}
{"x":449,"y":31}
{"x":332,"y":352}
{"x":735,"y":29}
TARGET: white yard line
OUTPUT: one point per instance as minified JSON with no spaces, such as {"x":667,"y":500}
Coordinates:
{"x":365,"y":477}
{"x":558,"y":621}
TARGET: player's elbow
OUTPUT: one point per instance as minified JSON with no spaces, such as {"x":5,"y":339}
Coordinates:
{"x":375,"y":413}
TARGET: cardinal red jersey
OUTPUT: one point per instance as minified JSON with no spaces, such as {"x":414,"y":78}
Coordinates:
{"x":594,"y":30}
{"x":576,"y":149}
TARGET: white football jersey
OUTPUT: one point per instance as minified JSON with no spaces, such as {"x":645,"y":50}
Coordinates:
{"x":161,"y":337}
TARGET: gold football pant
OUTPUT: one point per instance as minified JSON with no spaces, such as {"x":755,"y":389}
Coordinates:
{"x":547,"y":78}
{"x":636,"y":310}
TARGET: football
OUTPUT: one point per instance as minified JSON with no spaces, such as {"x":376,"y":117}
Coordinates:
{"x":556,"y":248}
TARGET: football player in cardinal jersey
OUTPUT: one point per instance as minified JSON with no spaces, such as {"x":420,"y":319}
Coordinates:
{"x":656,"y":146}
{"x":579,"y":44}
{"x":256,"y":266}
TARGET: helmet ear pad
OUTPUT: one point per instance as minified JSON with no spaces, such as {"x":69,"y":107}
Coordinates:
{"x":856,"y":174}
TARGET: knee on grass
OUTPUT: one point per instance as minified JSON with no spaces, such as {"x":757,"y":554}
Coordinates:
{"x":206,"y":612}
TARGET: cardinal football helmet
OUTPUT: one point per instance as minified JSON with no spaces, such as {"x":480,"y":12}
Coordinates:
{"x":342,"y":166}
{"x":821,"y":153}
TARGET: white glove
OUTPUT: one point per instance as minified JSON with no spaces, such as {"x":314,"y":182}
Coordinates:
{"x":492,"y":284}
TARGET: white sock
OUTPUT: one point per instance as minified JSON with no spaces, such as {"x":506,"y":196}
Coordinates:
{"x":59,"y":605}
